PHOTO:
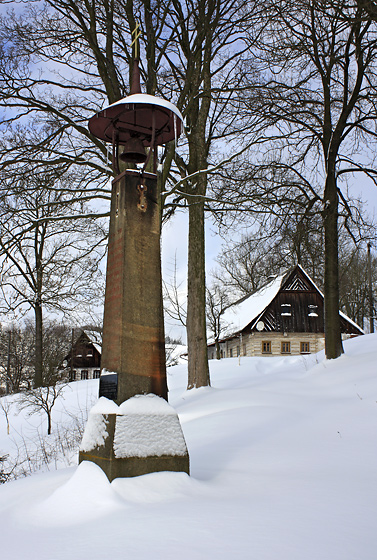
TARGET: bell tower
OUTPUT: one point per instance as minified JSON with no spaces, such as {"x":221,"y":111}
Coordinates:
{"x":133,"y":353}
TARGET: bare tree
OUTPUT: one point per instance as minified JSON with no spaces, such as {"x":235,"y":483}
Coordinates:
{"x":6,"y":407}
{"x":41,"y":399}
{"x":175,"y":298}
{"x":49,"y":262}
{"x":218,"y":301}
{"x":273,"y":243}
{"x":318,"y":92}
{"x":16,"y":357}
{"x":192,"y":53}
{"x":355,"y":284}
{"x":5,"y":475}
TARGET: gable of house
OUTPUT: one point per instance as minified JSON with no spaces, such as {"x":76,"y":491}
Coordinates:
{"x":286,"y":316}
{"x":84,"y":359}
{"x":297,"y":307}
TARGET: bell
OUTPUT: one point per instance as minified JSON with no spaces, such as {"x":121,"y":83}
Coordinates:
{"x":134,"y":151}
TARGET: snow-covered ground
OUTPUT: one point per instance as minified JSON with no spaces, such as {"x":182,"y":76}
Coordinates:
{"x":283,"y":467}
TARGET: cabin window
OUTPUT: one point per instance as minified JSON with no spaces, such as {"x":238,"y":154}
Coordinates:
{"x":244,"y":349}
{"x":73,"y":375}
{"x":285,"y":347}
{"x":231,"y":353}
{"x":238,"y":350}
{"x":304,"y":347}
{"x":84,"y":374}
{"x":312,"y":311}
{"x":266,"y":347}
{"x":96,"y":374}
{"x":286,"y":310}
{"x":90,"y":354}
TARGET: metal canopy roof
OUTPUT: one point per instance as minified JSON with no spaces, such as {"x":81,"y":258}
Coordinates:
{"x":133,"y":116}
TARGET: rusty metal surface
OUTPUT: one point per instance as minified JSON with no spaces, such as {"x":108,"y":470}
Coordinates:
{"x":133,"y":329}
{"x":135,"y":119}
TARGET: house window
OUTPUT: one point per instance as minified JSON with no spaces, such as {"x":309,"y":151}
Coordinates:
{"x":73,"y":375}
{"x":304,"y":347}
{"x":285,"y":347}
{"x":238,"y":350}
{"x":312,"y":311}
{"x":96,"y":374}
{"x":286,"y":310}
{"x":84,"y":374}
{"x":266,"y":347}
{"x":231,"y":353}
{"x":244,"y":349}
{"x":90,"y":354}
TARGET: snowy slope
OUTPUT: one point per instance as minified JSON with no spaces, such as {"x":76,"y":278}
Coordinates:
{"x":283,"y":467}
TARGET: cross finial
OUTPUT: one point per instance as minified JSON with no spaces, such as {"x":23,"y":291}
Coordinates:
{"x":135,"y":42}
{"x":135,"y":79}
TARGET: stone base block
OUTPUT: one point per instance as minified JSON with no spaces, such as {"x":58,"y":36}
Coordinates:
{"x":141,"y":436}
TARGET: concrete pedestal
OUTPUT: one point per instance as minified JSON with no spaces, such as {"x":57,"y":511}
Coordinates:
{"x":141,"y":436}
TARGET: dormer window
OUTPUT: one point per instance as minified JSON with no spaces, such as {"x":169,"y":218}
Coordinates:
{"x":286,"y":310}
{"x":312,"y":311}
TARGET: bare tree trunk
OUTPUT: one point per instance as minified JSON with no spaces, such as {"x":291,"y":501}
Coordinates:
{"x":198,"y":371}
{"x":39,"y":240}
{"x":218,"y":355}
{"x":49,"y":423}
{"x":38,"y":374}
{"x":370,"y":292}
{"x":333,"y":339}
{"x":7,"y":390}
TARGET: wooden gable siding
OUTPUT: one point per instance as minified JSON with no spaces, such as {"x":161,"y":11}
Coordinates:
{"x":294,"y":311}
{"x":298,"y":307}
{"x":85,"y":354}
{"x":347,"y":328}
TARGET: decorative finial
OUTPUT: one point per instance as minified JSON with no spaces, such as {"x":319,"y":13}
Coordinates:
{"x":135,"y":43}
{"x":135,"y":79}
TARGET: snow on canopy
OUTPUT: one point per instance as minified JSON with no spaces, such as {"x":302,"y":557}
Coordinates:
{"x":146,"y":99}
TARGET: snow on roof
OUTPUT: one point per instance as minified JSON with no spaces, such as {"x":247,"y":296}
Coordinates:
{"x":97,"y":347}
{"x":95,"y":338}
{"x":351,"y":322}
{"x":249,"y":309}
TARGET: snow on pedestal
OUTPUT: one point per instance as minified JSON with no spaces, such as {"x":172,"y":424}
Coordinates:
{"x":141,"y":435}
{"x":148,"y":425}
